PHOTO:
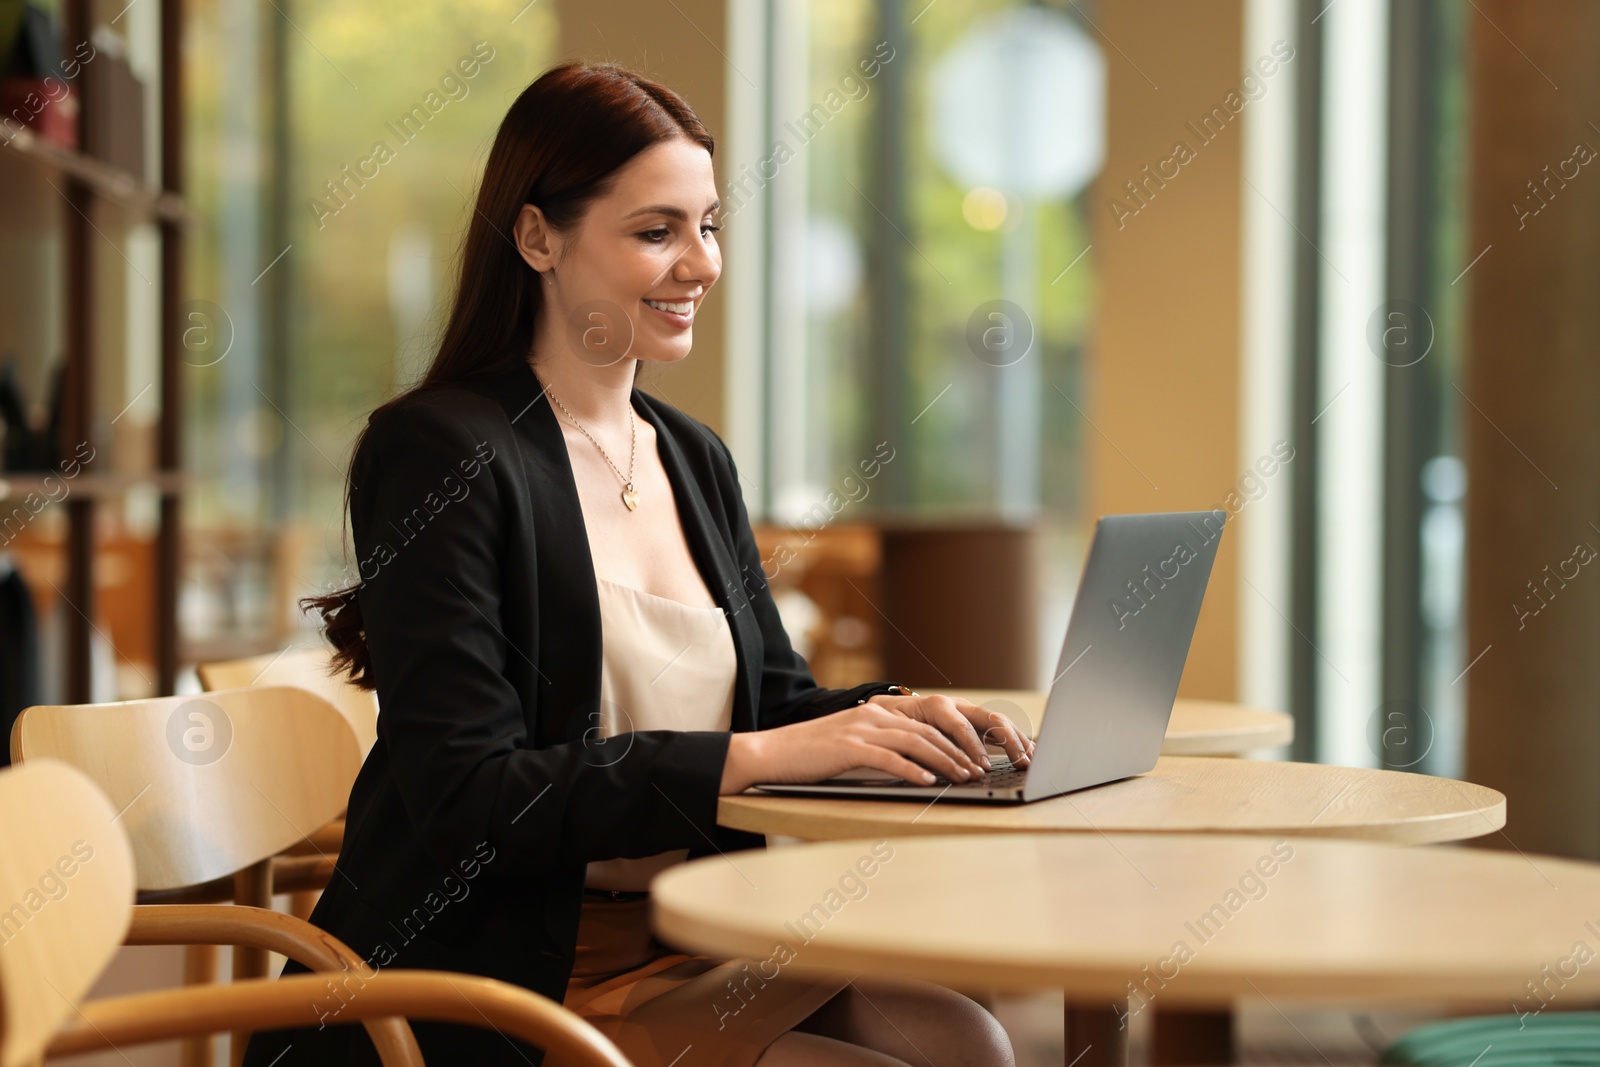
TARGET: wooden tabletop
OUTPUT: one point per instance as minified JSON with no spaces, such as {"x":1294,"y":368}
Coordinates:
{"x":1188,"y":920}
{"x":1190,"y":794}
{"x":1197,"y":728}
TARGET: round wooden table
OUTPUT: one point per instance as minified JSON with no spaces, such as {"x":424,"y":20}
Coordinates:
{"x":1347,"y":920}
{"x":1198,"y":727}
{"x":1189,"y":794}
{"x":1135,"y":921}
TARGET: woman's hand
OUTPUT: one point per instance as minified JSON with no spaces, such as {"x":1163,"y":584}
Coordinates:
{"x":972,"y":725}
{"x":868,"y":735}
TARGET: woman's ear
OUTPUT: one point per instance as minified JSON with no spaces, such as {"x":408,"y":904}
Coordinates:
{"x":537,"y":243}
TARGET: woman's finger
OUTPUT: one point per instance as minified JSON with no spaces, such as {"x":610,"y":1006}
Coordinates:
{"x":944,"y":714}
{"x":880,"y":758}
{"x":933,"y":735}
{"x":1003,"y":732}
{"x":938,"y":735}
{"x":947,"y":716}
{"x":917,"y":744}
{"x":900,"y":721}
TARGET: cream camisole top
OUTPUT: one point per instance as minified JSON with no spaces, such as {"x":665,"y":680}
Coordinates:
{"x":665,"y":665}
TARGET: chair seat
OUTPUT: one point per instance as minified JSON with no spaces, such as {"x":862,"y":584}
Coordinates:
{"x":1564,"y":1038}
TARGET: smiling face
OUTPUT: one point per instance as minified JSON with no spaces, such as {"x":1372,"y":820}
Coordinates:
{"x":647,"y":248}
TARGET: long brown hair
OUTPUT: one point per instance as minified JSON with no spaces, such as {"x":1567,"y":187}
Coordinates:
{"x":559,"y":148}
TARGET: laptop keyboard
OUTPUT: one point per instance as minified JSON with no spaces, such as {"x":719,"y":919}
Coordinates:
{"x":1002,"y":775}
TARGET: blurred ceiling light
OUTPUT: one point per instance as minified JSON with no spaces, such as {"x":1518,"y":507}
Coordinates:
{"x":1019,"y":104}
{"x":984,"y":208}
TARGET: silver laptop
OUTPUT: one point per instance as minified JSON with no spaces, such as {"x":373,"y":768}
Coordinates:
{"x":1117,"y":677}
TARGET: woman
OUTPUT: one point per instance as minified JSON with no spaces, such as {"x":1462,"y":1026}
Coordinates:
{"x":518,"y":503}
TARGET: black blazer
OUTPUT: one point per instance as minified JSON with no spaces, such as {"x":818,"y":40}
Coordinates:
{"x":489,"y":790}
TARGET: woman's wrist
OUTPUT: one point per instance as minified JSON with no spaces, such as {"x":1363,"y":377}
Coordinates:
{"x":891,"y":696}
{"x":888,"y":691}
{"x":745,"y":764}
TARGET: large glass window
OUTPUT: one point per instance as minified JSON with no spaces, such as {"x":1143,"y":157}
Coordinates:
{"x":1382,"y":627}
{"x":931,"y":265}
{"x":1428,"y":473}
{"x":334,"y":151}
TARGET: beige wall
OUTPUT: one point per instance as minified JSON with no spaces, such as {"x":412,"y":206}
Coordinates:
{"x":1163,"y":382}
{"x":676,"y":44}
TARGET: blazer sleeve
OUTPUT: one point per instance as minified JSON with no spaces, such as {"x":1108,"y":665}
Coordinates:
{"x":788,"y":692}
{"x":452,"y":724}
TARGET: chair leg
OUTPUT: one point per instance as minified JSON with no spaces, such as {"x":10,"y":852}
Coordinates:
{"x":1193,"y":1037}
{"x":301,"y":903}
{"x":1095,"y":1037}
{"x":199,"y":968}
{"x":252,"y":888}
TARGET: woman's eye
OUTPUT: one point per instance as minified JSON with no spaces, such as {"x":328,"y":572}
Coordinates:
{"x":661,"y":233}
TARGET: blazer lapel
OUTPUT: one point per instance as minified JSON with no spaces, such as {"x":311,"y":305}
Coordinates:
{"x":568,"y":619}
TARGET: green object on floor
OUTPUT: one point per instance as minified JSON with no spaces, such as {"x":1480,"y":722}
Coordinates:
{"x":1557,"y":1039}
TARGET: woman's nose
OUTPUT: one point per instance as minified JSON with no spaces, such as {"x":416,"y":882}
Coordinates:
{"x":700,"y":262}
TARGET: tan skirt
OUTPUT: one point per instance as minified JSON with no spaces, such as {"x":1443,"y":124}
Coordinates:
{"x":655,"y":1003}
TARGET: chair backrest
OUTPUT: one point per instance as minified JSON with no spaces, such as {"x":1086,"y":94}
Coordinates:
{"x":66,"y":882}
{"x":308,"y":668}
{"x":205,"y":785}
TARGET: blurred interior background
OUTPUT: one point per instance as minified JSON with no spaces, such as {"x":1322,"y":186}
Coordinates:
{"x":993,"y":268}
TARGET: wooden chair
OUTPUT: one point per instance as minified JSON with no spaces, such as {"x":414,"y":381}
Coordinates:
{"x":210,"y":789}
{"x":307,"y":668}
{"x":69,"y":865}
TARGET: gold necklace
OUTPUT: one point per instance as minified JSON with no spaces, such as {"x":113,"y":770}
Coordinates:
{"x":630,"y":495}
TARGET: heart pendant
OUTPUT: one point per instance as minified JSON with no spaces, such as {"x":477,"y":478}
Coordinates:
{"x":630,"y":497}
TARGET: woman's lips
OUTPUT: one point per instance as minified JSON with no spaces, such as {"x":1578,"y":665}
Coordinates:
{"x":672,"y":318}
